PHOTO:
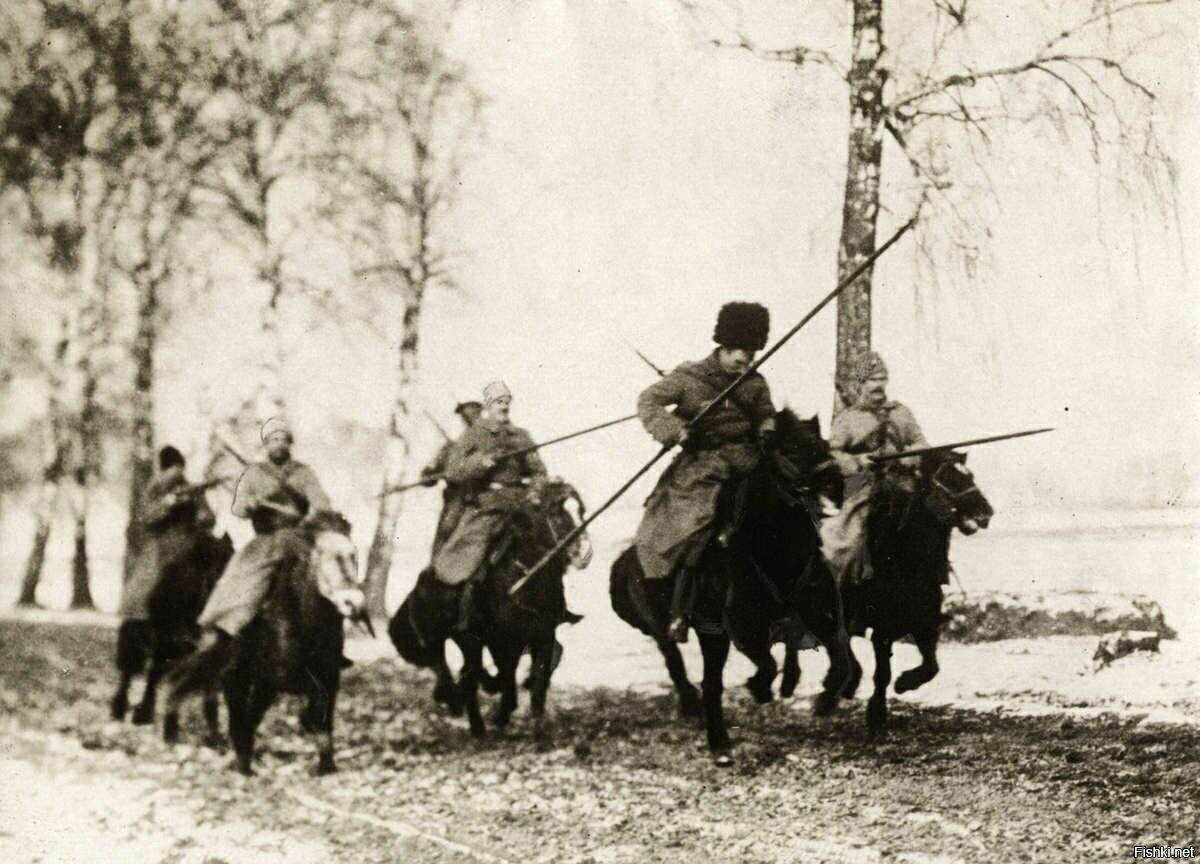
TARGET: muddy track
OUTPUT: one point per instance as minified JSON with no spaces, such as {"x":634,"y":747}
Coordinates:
{"x":613,"y":776}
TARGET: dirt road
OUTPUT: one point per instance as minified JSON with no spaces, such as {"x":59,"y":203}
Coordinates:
{"x":615,"y":777}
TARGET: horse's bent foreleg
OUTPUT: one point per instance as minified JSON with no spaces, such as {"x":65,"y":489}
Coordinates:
{"x":822,"y":615}
{"x":716,"y":651}
{"x":913,"y":678}
{"x":877,"y":706}
{"x":689,"y":697}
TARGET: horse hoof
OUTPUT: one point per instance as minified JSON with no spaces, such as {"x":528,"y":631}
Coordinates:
{"x":787,"y":689}
{"x":690,"y":704}
{"x":906,"y":682}
{"x":171,"y":728}
{"x":324,"y":768}
{"x":244,"y":770}
{"x":722,"y":758}
{"x":142,"y":716}
{"x":761,"y":694}
{"x":876,"y":718}
{"x":214,"y":741}
{"x":117,"y":708}
{"x":824,"y":703}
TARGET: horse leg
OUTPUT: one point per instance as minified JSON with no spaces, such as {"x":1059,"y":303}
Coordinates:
{"x":237,"y":698}
{"x":791,"y":669}
{"x":446,"y":689}
{"x":258,"y":697}
{"x":542,"y":668}
{"x":689,"y":697}
{"x":756,"y":645}
{"x":130,"y":660}
{"x":472,"y":651}
{"x":143,"y":715}
{"x":325,"y":696}
{"x":913,"y":678}
{"x":715,"y":649}
{"x":212,"y":735}
{"x":822,"y":615}
{"x":877,"y":706}
{"x":855,"y":678}
{"x":506,"y":675}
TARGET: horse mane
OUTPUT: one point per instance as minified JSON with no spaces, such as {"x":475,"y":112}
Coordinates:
{"x":788,"y":422}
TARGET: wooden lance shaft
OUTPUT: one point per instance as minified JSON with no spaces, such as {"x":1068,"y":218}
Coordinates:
{"x":826,"y":300}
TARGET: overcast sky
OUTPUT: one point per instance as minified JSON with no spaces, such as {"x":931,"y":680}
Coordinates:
{"x":633,"y":179}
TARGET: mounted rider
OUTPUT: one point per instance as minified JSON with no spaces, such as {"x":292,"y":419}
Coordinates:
{"x":174,"y":513}
{"x":872,"y":426}
{"x":275,"y":494}
{"x":452,"y":494}
{"x":491,"y":489}
{"x":681,"y":512}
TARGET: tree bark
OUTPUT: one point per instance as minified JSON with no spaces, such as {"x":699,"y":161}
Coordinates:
{"x":58,"y":448}
{"x":860,"y":209}
{"x":44,"y":515}
{"x":383,"y":543}
{"x":142,"y":469}
{"x":81,"y":590}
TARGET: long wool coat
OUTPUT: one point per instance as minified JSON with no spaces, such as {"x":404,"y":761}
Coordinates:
{"x":488,"y":494}
{"x":856,"y":432}
{"x":172,"y":526}
{"x":236,"y":597}
{"x":679,"y":515}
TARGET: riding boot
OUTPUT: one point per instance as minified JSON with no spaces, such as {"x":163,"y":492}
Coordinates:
{"x":569,"y":617}
{"x":681,"y":606}
{"x":466,"y":603}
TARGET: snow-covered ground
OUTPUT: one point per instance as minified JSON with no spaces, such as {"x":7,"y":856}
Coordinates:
{"x":1154,"y":552}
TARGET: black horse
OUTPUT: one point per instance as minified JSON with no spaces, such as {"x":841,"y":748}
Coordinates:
{"x":908,"y":545}
{"x":294,"y":645}
{"x":507,"y":625}
{"x":772,"y":573}
{"x":150,"y":645}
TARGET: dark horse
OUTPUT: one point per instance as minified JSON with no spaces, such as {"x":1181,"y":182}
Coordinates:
{"x":908,"y":544}
{"x":771,"y":573}
{"x":507,"y":625}
{"x":294,"y":645}
{"x":150,"y":645}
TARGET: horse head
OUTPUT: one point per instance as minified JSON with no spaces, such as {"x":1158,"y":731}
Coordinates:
{"x":333,"y":564}
{"x":952,"y":496}
{"x":802,"y":458}
{"x":560,"y":510}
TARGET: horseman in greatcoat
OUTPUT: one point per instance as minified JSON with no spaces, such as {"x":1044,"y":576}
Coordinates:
{"x":872,"y":426}
{"x":492,"y":489}
{"x":274,"y":494}
{"x":173,"y":513}
{"x":681,"y":513}
{"x":452,"y":494}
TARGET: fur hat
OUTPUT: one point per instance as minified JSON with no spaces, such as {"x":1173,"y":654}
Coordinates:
{"x":742,"y":325}
{"x":169,"y":456}
{"x":868,"y":366}
{"x":470,"y":405}
{"x":495,"y":391}
{"x":273,"y":425}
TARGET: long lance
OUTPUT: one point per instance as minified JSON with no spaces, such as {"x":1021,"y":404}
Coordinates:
{"x":754,"y":367}
{"x":661,"y":372}
{"x":512,"y":454}
{"x":941,"y":448}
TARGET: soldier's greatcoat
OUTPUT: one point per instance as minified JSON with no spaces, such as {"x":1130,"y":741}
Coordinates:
{"x":680,"y":512}
{"x":452,"y":497}
{"x":242,"y":587}
{"x":173,"y":519}
{"x":488,"y":494}
{"x":857,"y":431}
